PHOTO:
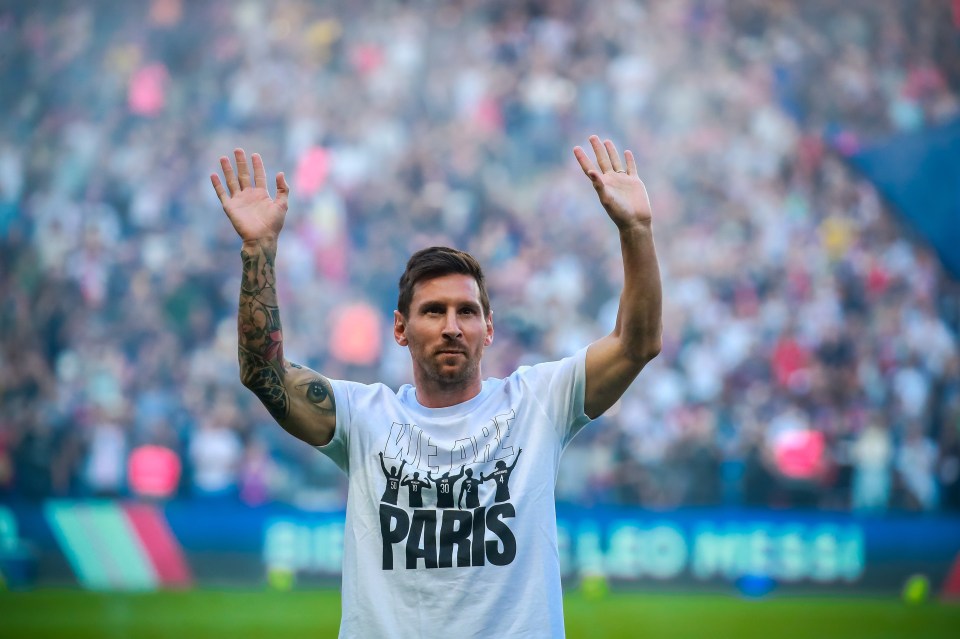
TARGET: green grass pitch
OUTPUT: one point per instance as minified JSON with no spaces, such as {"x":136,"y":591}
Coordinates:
{"x":314,"y":614}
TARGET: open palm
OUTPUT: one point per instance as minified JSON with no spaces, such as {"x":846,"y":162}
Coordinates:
{"x":247,"y":203}
{"x":620,"y":189}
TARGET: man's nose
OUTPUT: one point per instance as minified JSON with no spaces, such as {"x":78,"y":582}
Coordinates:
{"x":451,"y":327}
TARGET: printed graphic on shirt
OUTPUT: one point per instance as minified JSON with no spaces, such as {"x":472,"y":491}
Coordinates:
{"x":501,"y":477}
{"x":470,"y":487}
{"x":391,"y":492}
{"x":414,"y":485}
{"x":491,"y":442}
{"x":445,"y":487}
{"x":452,"y":533}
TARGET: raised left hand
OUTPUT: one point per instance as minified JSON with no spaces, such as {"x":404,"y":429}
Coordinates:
{"x":620,"y":189}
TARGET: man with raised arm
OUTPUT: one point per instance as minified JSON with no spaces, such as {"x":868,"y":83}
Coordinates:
{"x":501,"y":478}
{"x":421,"y":569}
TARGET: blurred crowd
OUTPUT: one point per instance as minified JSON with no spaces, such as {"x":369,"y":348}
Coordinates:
{"x":810,"y":341}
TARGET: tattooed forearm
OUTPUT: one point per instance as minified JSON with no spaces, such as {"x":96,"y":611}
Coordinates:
{"x":260,"y":333}
{"x":266,"y":382}
{"x":259,"y":318}
{"x":301,"y":400}
{"x":260,"y":329}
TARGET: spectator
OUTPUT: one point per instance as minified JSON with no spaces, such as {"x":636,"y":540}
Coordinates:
{"x":872,"y":455}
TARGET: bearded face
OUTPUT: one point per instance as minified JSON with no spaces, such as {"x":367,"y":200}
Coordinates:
{"x":446,"y":332}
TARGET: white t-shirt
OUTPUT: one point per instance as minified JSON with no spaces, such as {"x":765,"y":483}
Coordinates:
{"x":479,"y":557}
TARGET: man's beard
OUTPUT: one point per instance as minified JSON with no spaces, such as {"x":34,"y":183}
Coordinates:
{"x":448,"y":379}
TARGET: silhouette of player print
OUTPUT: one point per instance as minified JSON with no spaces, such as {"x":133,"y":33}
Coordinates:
{"x":471,"y":487}
{"x":393,"y":481}
{"x":413,"y":486}
{"x":445,"y":488}
{"x":501,"y":478}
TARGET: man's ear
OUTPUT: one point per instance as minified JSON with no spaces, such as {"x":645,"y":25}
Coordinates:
{"x":399,"y":329}
{"x":488,"y":339}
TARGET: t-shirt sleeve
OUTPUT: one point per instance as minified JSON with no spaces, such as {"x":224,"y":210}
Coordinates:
{"x":560,"y":387}
{"x":338,"y":449}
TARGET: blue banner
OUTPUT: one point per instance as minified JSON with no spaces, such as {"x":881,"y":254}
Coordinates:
{"x":919,"y":174}
{"x":229,"y":543}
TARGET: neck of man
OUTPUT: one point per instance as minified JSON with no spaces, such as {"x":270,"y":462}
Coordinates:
{"x":434,"y":393}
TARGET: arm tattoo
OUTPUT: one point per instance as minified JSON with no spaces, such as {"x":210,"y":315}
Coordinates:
{"x":266,"y":382}
{"x":320,"y":394}
{"x":260,"y":333}
{"x":294,"y":396}
{"x":259,"y":317}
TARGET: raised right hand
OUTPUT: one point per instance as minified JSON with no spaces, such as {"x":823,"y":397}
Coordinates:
{"x":253,"y":213}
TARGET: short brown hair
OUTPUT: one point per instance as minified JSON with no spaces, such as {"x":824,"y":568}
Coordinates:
{"x":438,"y":261}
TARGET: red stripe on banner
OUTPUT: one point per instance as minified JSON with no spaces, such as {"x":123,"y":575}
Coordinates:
{"x":951,"y":585}
{"x":160,"y":545}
